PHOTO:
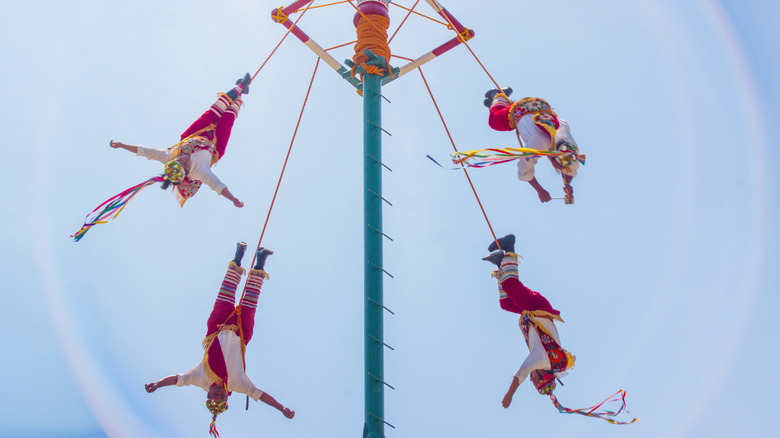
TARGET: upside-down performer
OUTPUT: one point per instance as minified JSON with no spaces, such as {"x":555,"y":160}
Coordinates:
{"x":229,"y":329}
{"x":540,"y":129}
{"x":547,"y":360}
{"x":187,"y":163}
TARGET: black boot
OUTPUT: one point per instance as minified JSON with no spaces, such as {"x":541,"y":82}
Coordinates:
{"x":262,"y":254}
{"x":491,"y":94}
{"x":240,"y":250}
{"x":242,"y":87}
{"x":495,"y":258}
{"x":507,"y":243}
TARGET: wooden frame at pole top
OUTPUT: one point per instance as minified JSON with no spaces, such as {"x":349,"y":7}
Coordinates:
{"x":281,"y":15}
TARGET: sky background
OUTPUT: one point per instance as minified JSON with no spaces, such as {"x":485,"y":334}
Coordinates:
{"x":665,"y":268}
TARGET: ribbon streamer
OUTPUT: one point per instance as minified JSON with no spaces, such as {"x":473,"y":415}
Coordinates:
{"x":490,"y":156}
{"x":111,"y":208}
{"x":593,"y":411}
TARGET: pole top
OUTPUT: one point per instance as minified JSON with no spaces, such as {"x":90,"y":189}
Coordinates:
{"x":383,"y":2}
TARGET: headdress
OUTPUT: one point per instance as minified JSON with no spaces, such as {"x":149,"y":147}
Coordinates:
{"x":571,"y":153}
{"x":545,"y":385}
{"x":174,"y":172}
{"x":216,"y":407}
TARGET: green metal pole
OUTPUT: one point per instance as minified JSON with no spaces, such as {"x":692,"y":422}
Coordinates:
{"x":372,"y":235}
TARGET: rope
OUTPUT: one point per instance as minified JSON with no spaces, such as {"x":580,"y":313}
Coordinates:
{"x":372,"y":35}
{"x":456,"y":150}
{"x":331,"y":4}
{"x":281,"y":18}
{"x":449,"y":26}
{"x":464,"y":39}
{"x":403,"y":21}
{"x":287,"y":157}
{"x":237,"y":310}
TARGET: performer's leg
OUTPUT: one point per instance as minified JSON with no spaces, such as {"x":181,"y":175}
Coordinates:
{"x":499,"y":113}
{"x":212,"y":115}
{"x":253,"y":285}
{"x":226,"y":297}
{"x":521,"y":296}
{"x":225,"y":126}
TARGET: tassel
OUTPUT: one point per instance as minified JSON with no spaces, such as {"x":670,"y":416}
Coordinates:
{"x":112,"y":207}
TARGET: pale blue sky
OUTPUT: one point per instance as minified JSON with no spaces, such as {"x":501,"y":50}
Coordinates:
{"x":664,"y":269}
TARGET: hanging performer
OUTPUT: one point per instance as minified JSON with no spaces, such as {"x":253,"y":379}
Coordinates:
{"x":547,"y":360}
{"x":229,"y":329}
{"x":187,"y":163}
{"x":540,"y":129}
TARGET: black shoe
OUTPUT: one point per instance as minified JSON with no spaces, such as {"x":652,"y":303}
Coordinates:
{"x":240,"y":250}
{"x":495,"y":258}
{"x":262,"y":254}
{"x":245,"y":81}
{"x":491,"y":94}
{"x":507,"y":243}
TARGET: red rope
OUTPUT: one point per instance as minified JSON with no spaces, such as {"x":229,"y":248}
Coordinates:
{"x":403,"y":21}
{"x":456,"y":150}
{"x":465,"y":43}
{"x":237,"y":310}
{"x":287,"y":158}
{"x":282,"y":40}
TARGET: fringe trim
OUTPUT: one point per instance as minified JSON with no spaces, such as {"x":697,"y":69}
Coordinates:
{"x":569,"y":365}
{"x":514,"y":254}
{"x":541,"y":314}
{"x":260,"y":272}
{"x":234,"y":266}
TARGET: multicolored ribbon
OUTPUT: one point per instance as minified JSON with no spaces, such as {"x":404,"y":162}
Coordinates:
{"x":213,"y":428}
{"x":491,"y":156}
{"x":593,"y":411}
{"x":112,"y":207}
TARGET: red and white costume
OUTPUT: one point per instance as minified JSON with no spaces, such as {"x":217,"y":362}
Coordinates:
{"x":536,"y":124}
{"x":205,"y":141}
{"x":223,"y":361}
{"x":537,"y":322}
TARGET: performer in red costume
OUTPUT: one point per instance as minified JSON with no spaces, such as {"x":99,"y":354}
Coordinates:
{"x":539,"y":128}
{"x":188,"y":163}
{"x":546,"y":358}
{"x":229,"y":330}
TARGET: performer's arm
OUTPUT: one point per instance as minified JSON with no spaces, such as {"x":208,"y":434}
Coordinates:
{"x":536,"y":360}
{"x":201,"y":170}
{"x":510,"y":392}
{"x":270,"y":401}
{"x":226,"y":193}
{"x":160,"y":155}
{"x":165,"y":381}
{"x":543,"y":194}
{"x":127,"y":147}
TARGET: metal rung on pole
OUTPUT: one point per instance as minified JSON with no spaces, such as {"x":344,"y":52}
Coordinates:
{"x":380,"y":95}
{"x":372,"y":337}
{"x":381,"y":305}
{"x":383,"y":421}
{"x":383,"y":129}
{"x":380,"y":163}
{"x":375,"y":194}
{"x":378,"y":231}
{"x":380,"y":269}
{"x":381,"y":381}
